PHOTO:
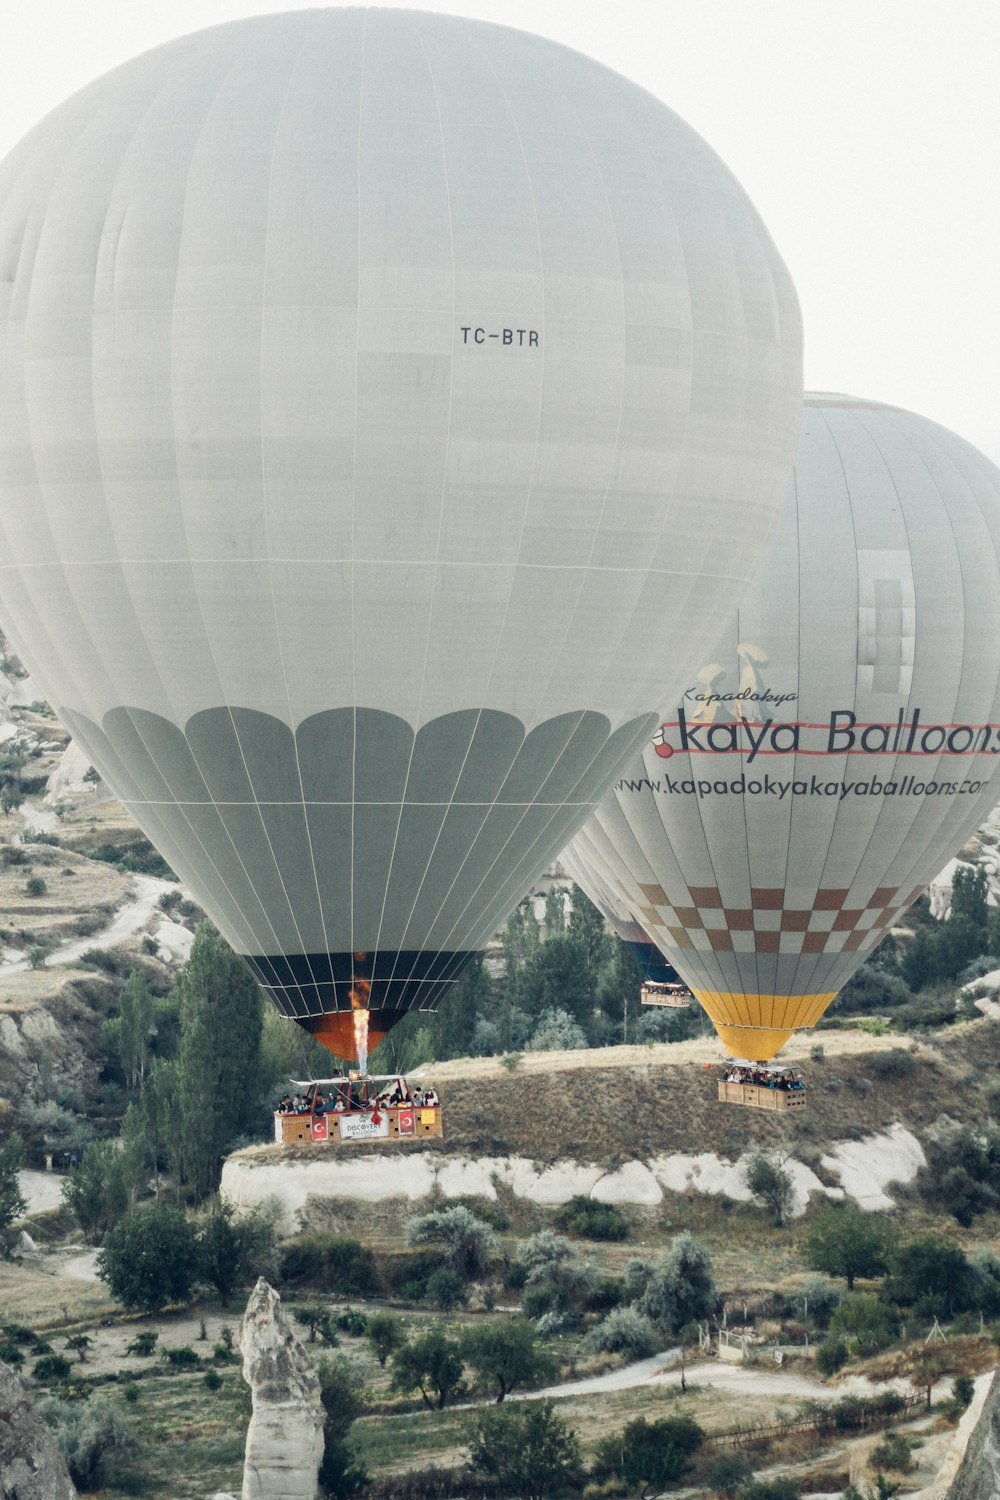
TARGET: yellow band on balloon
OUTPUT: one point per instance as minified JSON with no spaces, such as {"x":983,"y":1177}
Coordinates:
{"x":756,"y":1026}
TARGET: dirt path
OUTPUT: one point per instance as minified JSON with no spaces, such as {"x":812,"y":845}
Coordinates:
{"x":721,"y":1376}
{"x":128,"y":920}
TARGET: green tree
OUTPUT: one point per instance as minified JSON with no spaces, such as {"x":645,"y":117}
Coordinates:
{"x":454,"y":1021}
{"x":932,"y":1275}
{"x":467,"y":1244}
{"x":558,"y":977}
{"x":651,"y":1455}
{"x":527,"y":1448}
{"x":865,"y":1318}
{"x":103,"y":1187}
{"x":970,"y":897}
{"x":340,"y":1476}
{"x":236,"y":1248}
{"x":770,"y":1184}
{"x":681,"y":1288}
{"x":588,"y":930}
{"x":385,"y":1334}
{"x":13,"y":1204}
{"x":520,"y":941}
{"x":555,"y":912}
{"x":150,"y":1258}
{"x":432,"y":1363}
{"x":920,"y":964}
{"x":505,"y":1355}
{"x":559,"y":1282}
{"x":218,"y":1066}
{"x":135,"y":1022}
{"x":844,"y":1241}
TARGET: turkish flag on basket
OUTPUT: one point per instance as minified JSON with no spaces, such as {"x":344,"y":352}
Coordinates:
{"x":376,"y":1117}
{"x":407,"y":1122}
{"x":319,"y":1128}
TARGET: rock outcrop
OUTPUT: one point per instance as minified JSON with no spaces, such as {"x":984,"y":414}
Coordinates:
{"x":285,"y":1437}
{"x":31,"y":1464}
{"x":978,"y":1477}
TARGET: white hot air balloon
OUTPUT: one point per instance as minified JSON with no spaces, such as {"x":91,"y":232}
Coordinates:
{"x":383,"y":397}
{"x":839,"y":742}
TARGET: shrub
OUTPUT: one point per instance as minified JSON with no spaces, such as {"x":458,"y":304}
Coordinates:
{"x":484,"y":1209}
{"x":37,"y":956}
{"x":352,"y":1322}
{"x":816,"y":1300}
{"x":35,"y":886}
{"x":51,"y":1367}
{"x":625,"y":1330}
{"x":557,"y":1032}
{"x":180,"y":1356}
{"x":10,"y":1353}
{"x":831,"y":1356}
{"x":963,"y":1389}
{"x":212,"y":1379}
{"x":446,"y":1289}
{"x":337,"y":1264}
{"x":895,"y":1063}
{"x":511,"y":1061}
{"x":105,"y":959}
{"x":728,"y":1477}
{"x":143,"y":1343}
{"x":92,"y":1435}
{"x":893,"y":1452}
{"x":650,"y":1455}
{"x":773,"y":1489}
{"x":592,"y":1220}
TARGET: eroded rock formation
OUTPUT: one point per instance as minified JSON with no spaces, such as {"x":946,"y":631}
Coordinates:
{"x":31,"y":1465}
{"x":978,"y":1477}
{"x":285,"y":1437}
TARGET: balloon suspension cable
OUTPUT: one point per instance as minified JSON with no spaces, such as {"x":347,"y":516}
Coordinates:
{"x":359,"y":994}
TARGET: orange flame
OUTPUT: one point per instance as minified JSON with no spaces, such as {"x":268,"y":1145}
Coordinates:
{"x":359,"y":995}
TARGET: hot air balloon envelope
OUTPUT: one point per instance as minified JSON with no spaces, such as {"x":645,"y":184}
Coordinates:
{"x":383,"y":397}
{"x":837,"y":745}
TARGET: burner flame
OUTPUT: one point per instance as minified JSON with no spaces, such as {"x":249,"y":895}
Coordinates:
{"x":359,"y":995}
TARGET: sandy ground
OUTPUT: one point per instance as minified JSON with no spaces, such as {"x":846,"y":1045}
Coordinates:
{"x":41,"y":819}
{"x":43,"y":1190}
{"x":702,"y":1052}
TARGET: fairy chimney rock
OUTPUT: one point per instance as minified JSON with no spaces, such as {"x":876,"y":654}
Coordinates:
{"x":285,"y":1437}
{"x":31,"y":1464}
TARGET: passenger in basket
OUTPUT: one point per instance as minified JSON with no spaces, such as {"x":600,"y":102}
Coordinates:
{"x":431,"y":1100}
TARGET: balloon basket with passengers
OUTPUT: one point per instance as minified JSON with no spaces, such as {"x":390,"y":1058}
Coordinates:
{"x":674,"y":996}
{"x":762,"y":1085}
{"x":356,"y":1107}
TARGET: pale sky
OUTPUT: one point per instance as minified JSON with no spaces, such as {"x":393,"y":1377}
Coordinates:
{"x":867,"y":132}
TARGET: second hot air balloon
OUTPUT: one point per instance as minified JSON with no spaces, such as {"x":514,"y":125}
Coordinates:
{"x":840,"y":742}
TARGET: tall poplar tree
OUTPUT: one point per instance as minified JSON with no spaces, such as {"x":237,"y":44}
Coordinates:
{"x":218,"y":1067}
